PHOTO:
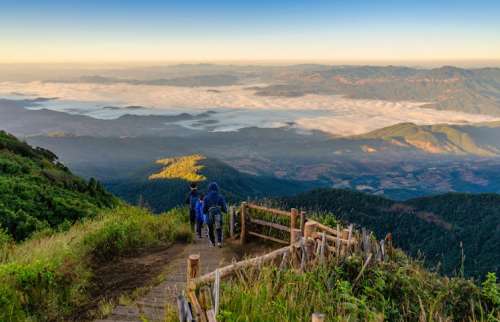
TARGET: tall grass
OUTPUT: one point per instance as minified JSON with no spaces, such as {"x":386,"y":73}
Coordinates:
{"x":48,"y":277}
{"x":399,"y":290}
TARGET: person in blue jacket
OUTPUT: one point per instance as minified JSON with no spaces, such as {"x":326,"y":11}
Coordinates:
{"x":214,"y":205}
{"x":200,"y":215}
{"x":191,"y":200}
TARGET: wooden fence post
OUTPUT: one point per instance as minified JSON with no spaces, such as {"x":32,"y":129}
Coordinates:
{"x":293,"y":224}
{"x":294,"y":236}
{"x":193,"y":267}
{"x":318,"y":317}
{"x":232,"y":213}
{"x":243,"y":232}
{"x":302,"y":222}
{"x":309,"y":229}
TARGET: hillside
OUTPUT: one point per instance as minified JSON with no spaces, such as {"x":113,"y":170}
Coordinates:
{"x":432,"y":226}
{"x":164,"y":185}
{"x":474,"y":140}
{"x":37,"y":192}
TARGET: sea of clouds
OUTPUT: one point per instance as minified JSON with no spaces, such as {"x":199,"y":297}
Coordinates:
{"x":236,"y":106}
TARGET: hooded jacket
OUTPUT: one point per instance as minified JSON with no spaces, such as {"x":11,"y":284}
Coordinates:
{"x":214,"y":199}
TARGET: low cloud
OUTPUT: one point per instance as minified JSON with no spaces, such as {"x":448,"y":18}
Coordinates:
{"x":239,"y":107}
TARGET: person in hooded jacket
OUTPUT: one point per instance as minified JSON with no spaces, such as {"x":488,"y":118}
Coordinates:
{"x":191,"y":200}
{"x":214,"y":205}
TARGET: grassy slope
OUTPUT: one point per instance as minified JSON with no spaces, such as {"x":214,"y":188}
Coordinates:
{"x":434,"y":226}
{"x":37,"y":192}
{"x":49,"y":278}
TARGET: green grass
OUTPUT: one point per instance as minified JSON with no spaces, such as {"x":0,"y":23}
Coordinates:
{"x":48,"y":278}
{"x":399,"y":290}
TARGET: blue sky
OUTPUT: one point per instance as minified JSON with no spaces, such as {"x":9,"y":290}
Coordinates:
{"x":343,"y":31}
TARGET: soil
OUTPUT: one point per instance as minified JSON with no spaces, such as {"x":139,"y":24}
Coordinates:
{"x":124,"y":275}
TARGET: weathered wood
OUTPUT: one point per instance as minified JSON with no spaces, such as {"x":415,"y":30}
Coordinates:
{"x":303,"y":254}
{"x":269,"y":224}
{"x":188,"y":311}
{"x":382,"y":249}
{"x":205,"y":298}
{"x":197,"y":310}
{"x":193,"y":267}
{"x":216,"y":292}
{"x":322,"y":248}
{"x":331,"y":238}
{"x":349,"y":236}
{"x":211,"y":316}
{"x":294,"y":213}
{"x":181,"y":309}
{"x":283,"y":261}
{"x":229,"y":269}
{"x":363,"y":268}
{"x":329,"y":230}
{"x":302,"y":222}
{"x":277,"y":240}
{"x":269,"y":210}
{"x":243,"y":232}
{"x":318,"y":317}
{"x":232,"y":214}
{"x":310,"y":229}
{"x":337,"y":244}
{"x":294,"y":236}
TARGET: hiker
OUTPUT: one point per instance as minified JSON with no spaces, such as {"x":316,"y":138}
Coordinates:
{"x":191,"y":201}
{"x":214,"y":205}
{"x":200,"y":215}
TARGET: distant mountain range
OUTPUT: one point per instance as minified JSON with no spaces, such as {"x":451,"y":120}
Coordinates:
{"x":451,"y":88}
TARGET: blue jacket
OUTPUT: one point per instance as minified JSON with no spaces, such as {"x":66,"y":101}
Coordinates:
{"x":192,"y":199}
{"x":200,"y":215}
{"x":214,"y":199}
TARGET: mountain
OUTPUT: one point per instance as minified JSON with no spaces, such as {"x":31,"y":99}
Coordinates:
{"x":37,"y":192}
{"x":439,"y":227}
{"x":474,"y":139}
{"x":165,"y":184}
{"x":445,"y":88}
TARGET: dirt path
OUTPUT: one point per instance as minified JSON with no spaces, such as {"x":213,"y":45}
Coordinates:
{"x":151,"y":307}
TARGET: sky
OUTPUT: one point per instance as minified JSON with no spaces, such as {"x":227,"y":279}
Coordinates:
{"x":216,"y":31}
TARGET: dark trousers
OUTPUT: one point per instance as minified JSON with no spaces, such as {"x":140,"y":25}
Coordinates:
{"x":213,"y":233}
{"x":199,"y":224}
{"x":192,"y":217}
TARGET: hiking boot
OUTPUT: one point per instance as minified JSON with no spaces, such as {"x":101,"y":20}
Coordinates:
{"x":219,"y":244}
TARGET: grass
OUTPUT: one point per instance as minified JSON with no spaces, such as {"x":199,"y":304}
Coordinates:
{"x":48,"y":278}
{"x":399,"y":290}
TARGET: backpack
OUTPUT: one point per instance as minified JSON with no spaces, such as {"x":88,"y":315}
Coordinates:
{"x":215,"y":216}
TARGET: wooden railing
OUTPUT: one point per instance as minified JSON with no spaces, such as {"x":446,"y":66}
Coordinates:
{"x":308,"y":243}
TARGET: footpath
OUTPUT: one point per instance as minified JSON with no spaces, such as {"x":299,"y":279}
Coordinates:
{"x":151,"y":306}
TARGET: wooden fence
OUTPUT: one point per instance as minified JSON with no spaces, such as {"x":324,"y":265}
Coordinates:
{"x":307,"y":241}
